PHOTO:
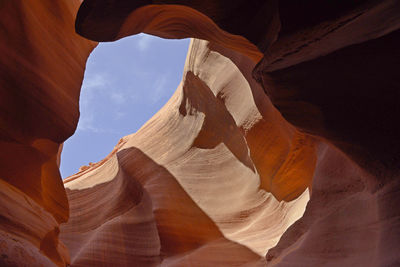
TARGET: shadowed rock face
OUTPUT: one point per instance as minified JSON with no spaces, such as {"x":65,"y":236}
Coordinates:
{"x":284,"y":103}
{"x":41,"y":69}
{"x":203,"y":191}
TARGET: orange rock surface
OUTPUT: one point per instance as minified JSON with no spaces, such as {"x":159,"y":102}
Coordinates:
{"x":42,"y":63}
{"x":280,"y":146}
{"x":202,"y":192}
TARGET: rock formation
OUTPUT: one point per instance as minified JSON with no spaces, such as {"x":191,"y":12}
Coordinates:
{"x":42,"y":64}
{"x":280,"y":146}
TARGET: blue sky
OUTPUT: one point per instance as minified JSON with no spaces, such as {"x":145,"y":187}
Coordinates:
{"x":126,"y":82}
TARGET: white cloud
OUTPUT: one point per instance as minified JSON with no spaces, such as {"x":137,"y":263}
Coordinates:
{"x":117,"y":98}
{"x":91,"y":86}
{"x":95,"y":89}
{"x":144,"y":42}
{"x":94,"y":81}
{"x":159,"y":88}
{"x":85,"y":123}
{"x":118,"y":115}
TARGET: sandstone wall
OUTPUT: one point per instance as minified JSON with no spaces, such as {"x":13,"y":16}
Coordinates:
{"x":283,"y":103}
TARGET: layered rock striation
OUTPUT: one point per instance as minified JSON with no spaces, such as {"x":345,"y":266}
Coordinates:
{"x":203,"y":191}
{"x":279,"y":147}
{"x":41,"y":69}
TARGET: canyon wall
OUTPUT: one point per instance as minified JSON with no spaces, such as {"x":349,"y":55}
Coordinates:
{"x":41,"y":69}
{"x":202,"y":192}
{"x":279,"y":147}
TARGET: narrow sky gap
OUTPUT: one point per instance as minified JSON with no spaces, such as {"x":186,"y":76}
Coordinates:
{"x":126,"y":82}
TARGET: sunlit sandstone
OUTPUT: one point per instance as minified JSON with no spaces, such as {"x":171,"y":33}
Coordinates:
{"x":280,"y":146}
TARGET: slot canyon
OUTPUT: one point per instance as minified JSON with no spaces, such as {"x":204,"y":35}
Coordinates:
{"x":280,"y":146}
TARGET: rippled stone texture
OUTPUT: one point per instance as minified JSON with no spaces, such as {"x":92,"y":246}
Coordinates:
{"x":202,"y":191}
{"x":283,"y":102}
{"x":41,"y":69}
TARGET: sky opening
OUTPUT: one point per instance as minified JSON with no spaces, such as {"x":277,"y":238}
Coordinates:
{"x":126,"y":82}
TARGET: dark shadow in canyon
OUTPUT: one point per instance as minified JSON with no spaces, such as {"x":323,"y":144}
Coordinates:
{"x":141,"y":185}
{"x":218,"y":126}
